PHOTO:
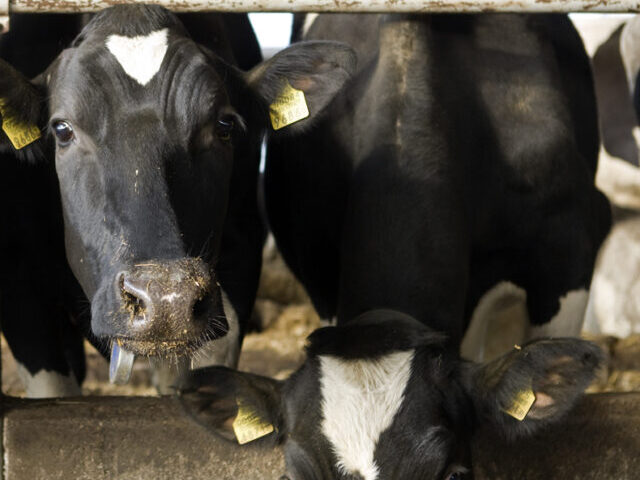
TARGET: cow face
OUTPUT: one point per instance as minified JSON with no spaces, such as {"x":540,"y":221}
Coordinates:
{"x":382,"y":398}
{"x":148,"y":126}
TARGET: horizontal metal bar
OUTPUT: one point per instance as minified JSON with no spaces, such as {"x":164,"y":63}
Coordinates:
{"x":380,"y":6}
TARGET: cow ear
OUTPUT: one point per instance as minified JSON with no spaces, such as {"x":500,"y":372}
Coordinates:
{"x":238,"y":406}
{"x":297,"y":83}
{"x":22,"y":113}
{"x":533,"y":385}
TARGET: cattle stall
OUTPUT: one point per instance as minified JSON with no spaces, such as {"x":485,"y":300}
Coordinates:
{"x":137,"y":438}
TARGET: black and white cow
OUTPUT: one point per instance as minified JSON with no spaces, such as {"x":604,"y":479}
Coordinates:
{"x":156,"y":152}
{"x":41,"y":303}
{"x":384,"y":397}
{"x":616,"y":66}
{"x":461,"y":156}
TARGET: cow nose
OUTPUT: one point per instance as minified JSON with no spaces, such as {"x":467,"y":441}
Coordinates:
{"x":164,"y":300}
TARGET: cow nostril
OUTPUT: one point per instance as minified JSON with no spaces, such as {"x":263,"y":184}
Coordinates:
{"x":132,"y":303}
{"x":201,"y":306}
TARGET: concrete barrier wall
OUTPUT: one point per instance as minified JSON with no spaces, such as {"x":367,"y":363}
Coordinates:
{"x":123,"y":438}
{"x":599,"y":440}
{"x":100,"y":438}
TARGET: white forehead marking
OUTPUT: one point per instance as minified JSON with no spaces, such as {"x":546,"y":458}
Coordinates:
{"x":140,"y":57}
{"x":359,"y":401}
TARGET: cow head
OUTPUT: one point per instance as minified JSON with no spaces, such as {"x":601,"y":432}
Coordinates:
{"x":382,"y":398}
{"x":148,"y":128}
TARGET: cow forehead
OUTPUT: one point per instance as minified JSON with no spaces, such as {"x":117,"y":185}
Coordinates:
{"x":140,"y":56}
{"x":117,"y":75}
{"x":360,"y":399}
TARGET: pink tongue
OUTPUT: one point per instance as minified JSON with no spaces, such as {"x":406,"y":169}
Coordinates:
{"x":121,"y":364}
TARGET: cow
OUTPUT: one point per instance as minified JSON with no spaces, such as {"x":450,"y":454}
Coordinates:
{"x":613,"y":90}
{"x":46,"y":345}
{"x":460,"y":156}
{"x":156,"y":153}
{"x":383,"y":397}
{"x":41,"y":304}
{"x":613,"y":309}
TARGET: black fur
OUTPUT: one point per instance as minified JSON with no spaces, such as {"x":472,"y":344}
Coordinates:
{"x":42,"y":309}
{"x":422,"y":198}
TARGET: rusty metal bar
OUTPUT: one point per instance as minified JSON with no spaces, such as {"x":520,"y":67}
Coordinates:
{"x":602,"y":6}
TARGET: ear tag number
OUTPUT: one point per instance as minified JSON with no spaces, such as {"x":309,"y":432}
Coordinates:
{"x":19,"y":134}
{"x":289,"y":107}
{"x":521,"y":405}
{"x":248,"y":426}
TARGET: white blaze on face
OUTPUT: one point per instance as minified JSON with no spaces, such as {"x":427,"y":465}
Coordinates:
{"x":360,"y":398}
{"x":140,"y":57}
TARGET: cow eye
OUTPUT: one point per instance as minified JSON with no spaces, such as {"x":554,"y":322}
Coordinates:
{"x":456,"y":473}
{"x":456,"y":476}
{"x":224,"y":128}
{"x":64,"y":132}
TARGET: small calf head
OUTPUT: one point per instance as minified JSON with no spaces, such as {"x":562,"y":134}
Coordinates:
{"x":383,"y":398}
{"x":154,"y":135}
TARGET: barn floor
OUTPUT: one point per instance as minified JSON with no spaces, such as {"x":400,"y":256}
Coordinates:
{"x":285,"y":316}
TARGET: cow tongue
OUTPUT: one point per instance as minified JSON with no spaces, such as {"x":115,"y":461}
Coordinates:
{"x":121,"y":364}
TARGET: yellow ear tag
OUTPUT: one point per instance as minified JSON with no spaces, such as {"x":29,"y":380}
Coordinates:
{"x":248,"y":426}
{"x":289,"y":107}
{"x":521,"y":405}
{"x":19,"y":133}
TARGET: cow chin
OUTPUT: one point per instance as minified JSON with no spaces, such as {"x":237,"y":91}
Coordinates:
{"x":161,"y":348}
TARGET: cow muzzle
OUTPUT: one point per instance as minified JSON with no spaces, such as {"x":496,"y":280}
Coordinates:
{"x":167,"y":308}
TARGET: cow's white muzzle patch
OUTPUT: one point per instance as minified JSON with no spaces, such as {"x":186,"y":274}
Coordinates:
{"x":140,"y":57}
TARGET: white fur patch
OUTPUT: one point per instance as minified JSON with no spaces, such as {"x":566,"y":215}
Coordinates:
{"x":359,"y":401}
{"x":619,"y":180}
{"x":569,"y":319}
{"x":140,"y":57}
{"x":45,"y":384}
{"x":500,"y":297}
